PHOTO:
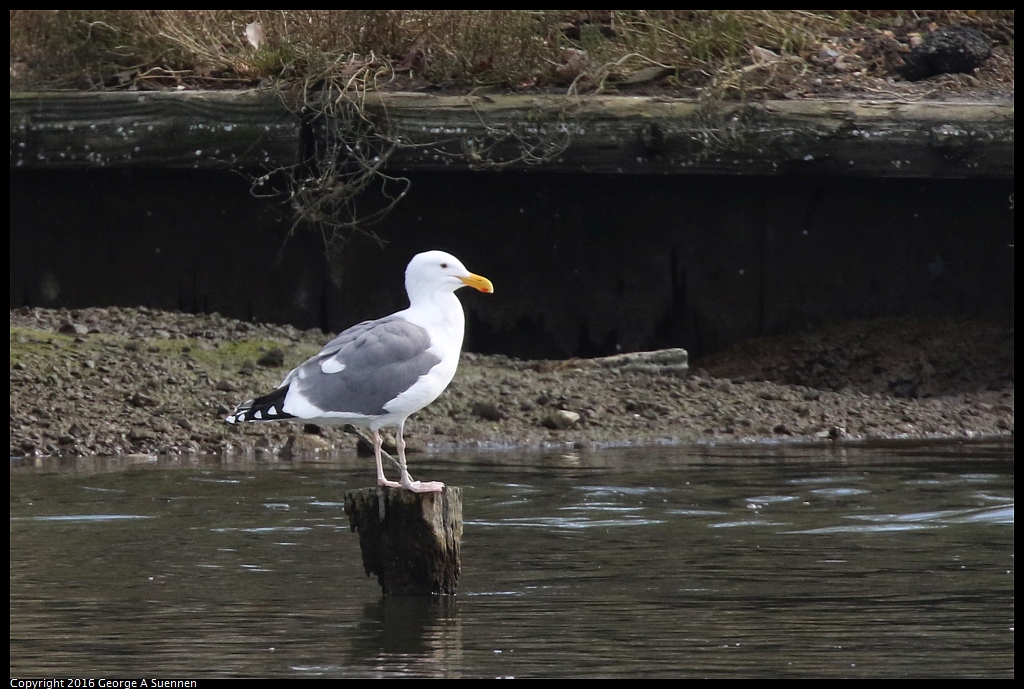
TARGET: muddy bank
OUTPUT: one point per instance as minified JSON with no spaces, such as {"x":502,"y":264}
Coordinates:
{"x":120,"y":381}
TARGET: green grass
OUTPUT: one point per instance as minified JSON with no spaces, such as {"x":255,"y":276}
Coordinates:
{"x":47,"y":350}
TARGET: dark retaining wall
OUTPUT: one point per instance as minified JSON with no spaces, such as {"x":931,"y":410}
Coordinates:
{"x":582,"y":264}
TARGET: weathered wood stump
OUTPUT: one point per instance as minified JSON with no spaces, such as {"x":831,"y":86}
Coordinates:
{"x":409,"y":540}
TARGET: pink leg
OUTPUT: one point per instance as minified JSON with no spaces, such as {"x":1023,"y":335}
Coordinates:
{"x":407,"y":482}
{"x":381,"y":481}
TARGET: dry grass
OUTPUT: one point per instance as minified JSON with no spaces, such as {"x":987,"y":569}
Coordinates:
{"x":519,"y":49}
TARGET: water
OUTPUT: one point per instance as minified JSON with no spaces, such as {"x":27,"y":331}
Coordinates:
{"x":721,"y":562}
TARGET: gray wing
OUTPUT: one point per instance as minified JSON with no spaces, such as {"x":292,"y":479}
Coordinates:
{"x":345,"y":337}
{"x":367,"y":366}
{"x":353,"y":333}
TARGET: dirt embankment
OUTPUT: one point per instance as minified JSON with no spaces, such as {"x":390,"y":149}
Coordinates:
{"x":118,"y":381}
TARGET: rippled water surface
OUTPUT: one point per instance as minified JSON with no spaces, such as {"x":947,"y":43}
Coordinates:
{"x":641,"y":563}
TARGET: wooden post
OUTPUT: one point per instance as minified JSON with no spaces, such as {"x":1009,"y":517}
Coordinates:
{"x":409,"y":540}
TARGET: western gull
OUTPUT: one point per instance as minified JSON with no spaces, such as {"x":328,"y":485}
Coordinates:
{"x":377,"y":373}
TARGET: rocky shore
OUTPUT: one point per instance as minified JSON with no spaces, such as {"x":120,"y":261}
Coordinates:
{"x":113,"y":381}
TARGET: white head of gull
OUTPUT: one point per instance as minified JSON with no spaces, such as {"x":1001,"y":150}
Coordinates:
{"x":378,"y":373}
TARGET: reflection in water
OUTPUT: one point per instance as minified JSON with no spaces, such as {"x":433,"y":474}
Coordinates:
{"x":640,"y":563}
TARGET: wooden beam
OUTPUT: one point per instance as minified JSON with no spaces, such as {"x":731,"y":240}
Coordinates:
{"x":589,"y":134}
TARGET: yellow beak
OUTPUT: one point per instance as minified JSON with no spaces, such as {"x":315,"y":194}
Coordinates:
{"x":478,"y":282}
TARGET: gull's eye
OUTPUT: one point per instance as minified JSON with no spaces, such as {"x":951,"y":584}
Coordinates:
{"x":444,"y":265}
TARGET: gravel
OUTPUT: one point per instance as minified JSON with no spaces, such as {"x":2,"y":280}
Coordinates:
{"x":118,"y":381}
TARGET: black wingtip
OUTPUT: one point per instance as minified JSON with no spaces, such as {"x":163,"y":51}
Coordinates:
{"x":269,"y":407}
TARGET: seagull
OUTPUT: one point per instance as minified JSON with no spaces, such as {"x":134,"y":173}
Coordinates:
{"x":378,"y":373}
